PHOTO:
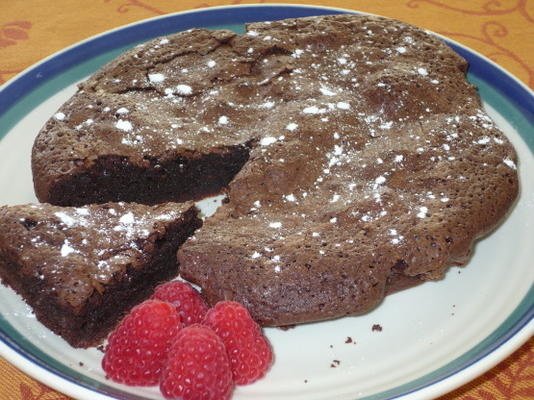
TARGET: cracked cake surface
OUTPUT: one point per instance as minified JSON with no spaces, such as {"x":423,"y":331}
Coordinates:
{"x":356,"y":158}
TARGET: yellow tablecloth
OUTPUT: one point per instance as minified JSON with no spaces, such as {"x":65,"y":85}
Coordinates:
{"x":503,"y":30}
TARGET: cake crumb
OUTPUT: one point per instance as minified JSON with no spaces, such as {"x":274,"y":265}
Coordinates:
{"x":286,"y":327}
{"x":376,"y":328}
{"x":335,"y":363}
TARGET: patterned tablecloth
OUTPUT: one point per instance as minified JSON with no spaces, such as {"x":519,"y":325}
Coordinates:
{"x":503,"y":30}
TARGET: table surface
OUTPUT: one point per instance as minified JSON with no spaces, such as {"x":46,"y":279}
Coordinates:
{"x":31,"y":30}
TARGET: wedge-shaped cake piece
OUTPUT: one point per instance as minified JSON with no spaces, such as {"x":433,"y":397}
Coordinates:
{"x":81,"y":268}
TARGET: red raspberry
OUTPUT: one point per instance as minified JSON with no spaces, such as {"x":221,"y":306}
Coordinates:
{"x":248,"y":350}
{"x":137,"y":348}
{"x":187,"y":300}
{"x":197,"y":367}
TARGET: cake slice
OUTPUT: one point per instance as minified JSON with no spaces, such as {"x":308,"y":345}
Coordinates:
{"x":81,"y":268}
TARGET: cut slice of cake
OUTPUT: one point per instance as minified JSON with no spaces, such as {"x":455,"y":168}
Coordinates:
{"x":81,"y":268}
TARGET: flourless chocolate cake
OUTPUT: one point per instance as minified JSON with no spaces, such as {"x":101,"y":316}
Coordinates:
{"x":81,"y":269}
{"x":356,"y":157}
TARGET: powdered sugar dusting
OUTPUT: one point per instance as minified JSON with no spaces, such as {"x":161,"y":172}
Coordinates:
{"x":124,"y":125}
{"x":327,"y":92}
{"x":313,"y":110}
{"x":266,"y":141}
{"x":184,"y":90}
{"x":66,"y":219}
{"x":255,"y":255}
{"x":127,"y":218}
{"x":422,"y":71}
{"x":156,"y":78}
{"x":66,"y":249}
{"x":422,"y":212}
{"x":510,"y":163}
{"x":380,"y":180}
{"x":291,"y":198}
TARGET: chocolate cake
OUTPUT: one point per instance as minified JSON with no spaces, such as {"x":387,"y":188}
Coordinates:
{"x":356,"y":158}
{"x":81,"y":268}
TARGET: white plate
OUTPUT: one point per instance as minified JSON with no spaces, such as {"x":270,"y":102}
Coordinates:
{"x":435,"y":337}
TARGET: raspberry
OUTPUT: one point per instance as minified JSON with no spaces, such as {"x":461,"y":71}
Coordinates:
{"x":248,"y":350}
{"x":137,"y":348}
{"x":197,"y":367}
{"x":187,"y":300}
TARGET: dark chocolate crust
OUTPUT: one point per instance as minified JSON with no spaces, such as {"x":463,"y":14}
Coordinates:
{"x":361,"y":161}
{"x":81,"y":269}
